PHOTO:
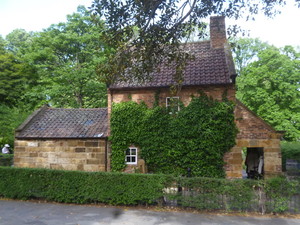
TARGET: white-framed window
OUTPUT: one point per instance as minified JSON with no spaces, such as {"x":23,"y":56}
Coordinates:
{"x":131,"y":155}
{"x":172,"y":104}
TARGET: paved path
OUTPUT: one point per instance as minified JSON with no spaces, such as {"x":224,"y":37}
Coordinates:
{"x":22,"y":213}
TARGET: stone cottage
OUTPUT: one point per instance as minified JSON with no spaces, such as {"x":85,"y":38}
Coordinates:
{"x":69,"y":139}
{"x":211,"y":71}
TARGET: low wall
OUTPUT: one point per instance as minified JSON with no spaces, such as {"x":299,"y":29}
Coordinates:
{"x":66,"y":154}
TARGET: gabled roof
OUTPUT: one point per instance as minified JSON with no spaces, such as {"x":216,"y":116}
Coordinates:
{"x":263,"y":124}
{"x":210,"y":66}
{"x":65,"y":123}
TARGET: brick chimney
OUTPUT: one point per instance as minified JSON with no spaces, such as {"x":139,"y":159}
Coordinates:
{"x":217,"y":32}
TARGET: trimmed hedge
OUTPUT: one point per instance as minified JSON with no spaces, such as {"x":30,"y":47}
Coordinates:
{"x":222,"y":194}
{"x":6,"y":159}
{"x":81,"y":187}
{"x":271,"y":195}
{"x":290,"y":150}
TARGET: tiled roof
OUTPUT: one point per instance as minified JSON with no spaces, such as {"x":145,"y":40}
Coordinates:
{"x":65,"y":123}
{"x":210,"y":66}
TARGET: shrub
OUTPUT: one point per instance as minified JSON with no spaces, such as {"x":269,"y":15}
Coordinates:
{"x":279,"y":192}
{"x":6,"y":159}
{"x":290,"y":150}
{"x":140,"y":189}
{"x":81,"y":187}
{"x":212,"y":194}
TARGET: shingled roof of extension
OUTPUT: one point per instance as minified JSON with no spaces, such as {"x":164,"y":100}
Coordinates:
{"x":209,"y":66}
{"x":65,"y":123}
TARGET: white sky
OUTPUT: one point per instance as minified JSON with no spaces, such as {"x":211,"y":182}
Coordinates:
{"x":282,"y":30}
{"x":35,"y":15}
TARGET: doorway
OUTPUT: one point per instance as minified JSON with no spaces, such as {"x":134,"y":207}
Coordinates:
{"x":254,"y":163}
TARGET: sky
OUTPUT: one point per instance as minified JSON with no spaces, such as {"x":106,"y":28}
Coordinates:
{"x":36,"y":15}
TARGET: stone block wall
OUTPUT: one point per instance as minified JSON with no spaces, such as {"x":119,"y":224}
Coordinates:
{"x":254,"y":133}
{"x":66,"y":154}
{"x":272,"y":157}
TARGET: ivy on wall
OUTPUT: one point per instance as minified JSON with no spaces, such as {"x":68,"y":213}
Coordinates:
{"x":197,"y":137}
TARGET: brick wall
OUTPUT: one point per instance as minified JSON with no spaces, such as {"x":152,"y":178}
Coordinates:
{"x":254,"y":133}
{"x":149,"y":95}
{"x":67,"y":154}
{"x":217,"y":31}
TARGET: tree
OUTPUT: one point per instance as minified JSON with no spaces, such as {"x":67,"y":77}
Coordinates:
{"x":245,"y":51}
{"x":19,"y":41}
{"x":10,"y":119}
{"x":15,"y":78}
{"x":270,"y":86}
{"x":65,"y":56}
{"x":144,"y":33}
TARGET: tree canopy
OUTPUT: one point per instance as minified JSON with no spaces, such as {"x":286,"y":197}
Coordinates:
{"x":143,"y":33}
{"x":270,"y":86}
{"x":56,"y":66}
{"x":65,"y":55}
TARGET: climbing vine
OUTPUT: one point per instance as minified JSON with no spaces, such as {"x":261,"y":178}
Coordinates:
{"x":196,"y":137}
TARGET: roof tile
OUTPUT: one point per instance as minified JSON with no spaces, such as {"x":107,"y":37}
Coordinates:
{"x":210,"y":66}
{"x":65,"y":123}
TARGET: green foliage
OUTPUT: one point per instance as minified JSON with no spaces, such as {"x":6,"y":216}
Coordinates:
{"x":279,"y":191}
{"x":6,"y":159}
{"x":290,"y":150}
{"x":81,"y":187}
{"x":56,"y":66}
{"x":15,"y":78}
{"x":212,"y":194}
{"x":196,"y":137}
{"x":140,"y":189}
{"x":18,"y":41}
{"x":145,"y":33}
{"x":65,"y":56}
{"x":245,"y":51}
{"x":10,"y":119}
{"x":270,"y":87}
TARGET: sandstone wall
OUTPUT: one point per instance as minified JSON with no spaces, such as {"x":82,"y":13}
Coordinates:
{"x":254,"y":133}
{"x":66,"y":154}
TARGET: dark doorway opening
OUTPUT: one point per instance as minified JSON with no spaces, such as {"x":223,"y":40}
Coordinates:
{"x":255,"y":163}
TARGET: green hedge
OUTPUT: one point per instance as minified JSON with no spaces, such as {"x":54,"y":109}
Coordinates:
{"x":222,"y":194}
{"x":290,"y":150}
{"x":6,"y":159}
{"x":272,"y":195}
{"x":81,"y":187}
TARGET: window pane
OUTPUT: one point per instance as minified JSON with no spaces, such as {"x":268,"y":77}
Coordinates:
{"x":127,"y":159}
{"x":133,"y":159}
{"x":133,"y":151}
{"x":128,"y":151}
